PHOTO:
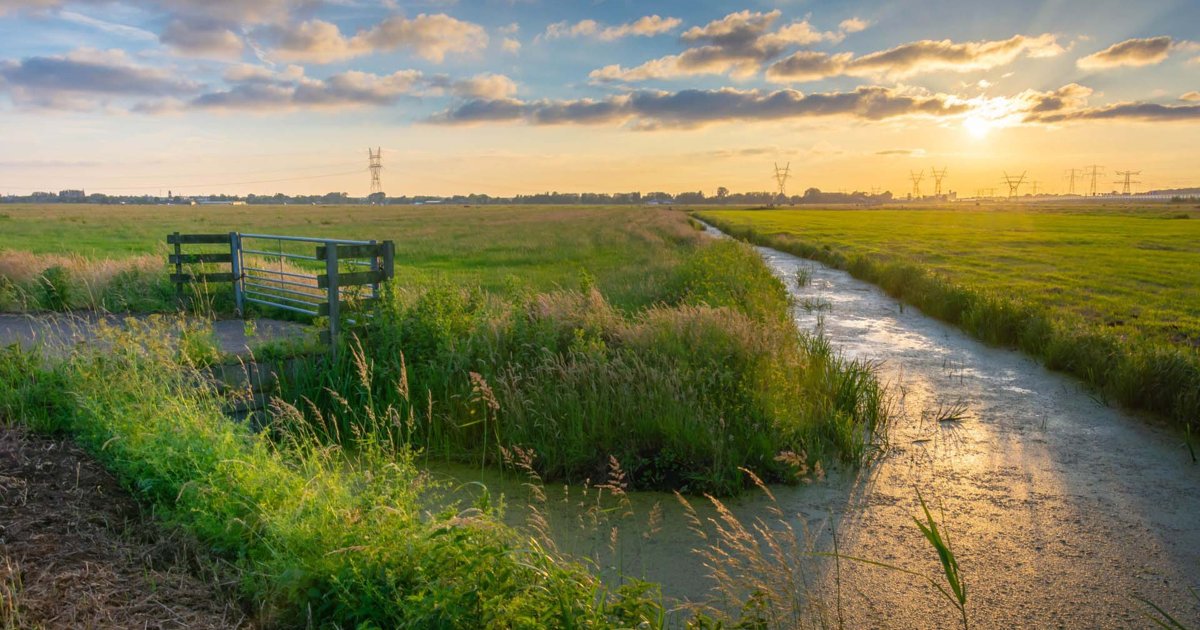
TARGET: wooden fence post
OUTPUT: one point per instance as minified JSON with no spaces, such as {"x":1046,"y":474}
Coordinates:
{"x":178,"y":271}
{"x":333,"y":295}
{"x":235,"y":263}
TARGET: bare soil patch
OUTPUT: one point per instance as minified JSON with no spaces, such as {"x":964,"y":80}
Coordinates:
{"x":76,"y":551}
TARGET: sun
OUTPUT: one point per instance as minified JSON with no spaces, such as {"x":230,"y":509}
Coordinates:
{"x":978,"y":126}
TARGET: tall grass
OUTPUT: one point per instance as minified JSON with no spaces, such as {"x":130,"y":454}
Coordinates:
{"x":1138,"y":373}
{"x":321,"y":535}
{"x":56,"y":282}
{"x":682,"y":393}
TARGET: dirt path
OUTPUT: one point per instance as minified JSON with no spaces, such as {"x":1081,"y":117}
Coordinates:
{"x":58,"y":332}
{"x":78,"y":553}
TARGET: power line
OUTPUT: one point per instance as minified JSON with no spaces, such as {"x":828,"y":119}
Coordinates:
{"x":916,"y":180}
{"x":781,"y":177}
{"x":1093,"y":171}
{"x":1070,"y":177}
{"x":1014,"y":184}
{"x":938,"y":176}
{"x":1127,"y":180}
{"x":375,"y":166}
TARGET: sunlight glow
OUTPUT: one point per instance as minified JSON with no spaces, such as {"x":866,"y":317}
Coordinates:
{"x":977,"y":126}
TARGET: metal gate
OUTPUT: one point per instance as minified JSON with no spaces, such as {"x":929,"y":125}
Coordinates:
{"x":320,"y":277}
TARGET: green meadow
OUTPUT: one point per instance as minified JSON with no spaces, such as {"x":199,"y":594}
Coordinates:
{"x":1106,"y":293}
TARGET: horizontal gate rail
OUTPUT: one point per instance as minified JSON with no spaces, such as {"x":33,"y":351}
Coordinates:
{"x":301,"y":274}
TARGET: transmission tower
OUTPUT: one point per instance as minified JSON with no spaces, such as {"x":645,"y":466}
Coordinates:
{"x":1014,"y":184}
{"x":916,"y":180}
{"x":1070,"y":176}
{"x":781,"y":177}
{"x":1035,"y":185}
{"x":1127,"y":181}
{"x":376,"y":165}
{"x":1093,"y":171}
{"x":938,"y":176}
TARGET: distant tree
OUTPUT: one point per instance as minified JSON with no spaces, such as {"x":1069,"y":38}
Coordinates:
{"x":722,"y":192}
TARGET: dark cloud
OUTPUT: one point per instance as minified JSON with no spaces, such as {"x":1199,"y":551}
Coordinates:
{"x":1131,"y":52}
{"x":808,"y":65}
{"x":913,"y":58}
{"x":68,"y":81}
{"x":1144,"y":112}
{"x":256,"y":88}
{"x":737,"y":44}
{"x":692,"y":108}
{"x":202,"y":37}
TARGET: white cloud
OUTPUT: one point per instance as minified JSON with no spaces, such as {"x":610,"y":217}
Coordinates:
{"x":429,"y":36}
{"x":646,"y":26}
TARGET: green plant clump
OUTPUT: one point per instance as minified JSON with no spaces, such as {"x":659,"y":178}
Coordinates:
{"x":682,"y":393}
{"x":319,"y":537}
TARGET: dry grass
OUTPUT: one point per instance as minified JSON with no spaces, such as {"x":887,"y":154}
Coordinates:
{"x":78,"y":553}
{"x":23,"y":276}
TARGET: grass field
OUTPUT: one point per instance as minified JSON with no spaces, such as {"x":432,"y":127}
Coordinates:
{"x":1110,"y":294}
{"x":540,"y":247}
{"x":588,"y":338}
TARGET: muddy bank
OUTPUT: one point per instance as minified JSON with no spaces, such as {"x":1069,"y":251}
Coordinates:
{"x":78,"y":553}
{"x":1061,"y":509}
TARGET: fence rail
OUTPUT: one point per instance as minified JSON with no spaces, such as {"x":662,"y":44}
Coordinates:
{"x":319,"y":277}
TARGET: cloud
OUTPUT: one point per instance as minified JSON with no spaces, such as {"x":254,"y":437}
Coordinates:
{"x":808,"y":65}
{"x":901,"y":152}
{"x":1069,"y":104}
{"x":1131,"y":52}
{"x":481,"y":86}
{"x":13,"y":6}
{"x":202,"y":38}
{"x":853,"y":25}
{"x":646,"y":26}
{"x":737,"y":44}
{"x":263,"y":90}
{"x":1190,"y":96}
{"x":429,"y":36}
{"x":1134,"y":111}
{"x":241,"y":11}
{"x":1068,"y":97}
{"x":510,"y":45}
{"x":257,"y":88}
{"x":121,"y":30}
{"x":914,"y":58}
{"x":313,"y":40}
{"x":692,"y":108}
{"x":73,"y":81}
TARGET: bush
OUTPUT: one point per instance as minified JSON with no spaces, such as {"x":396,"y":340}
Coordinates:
{"x":682,"y":394}
{"x":56,"y":291}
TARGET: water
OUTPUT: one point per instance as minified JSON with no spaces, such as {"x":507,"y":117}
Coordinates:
{"x":1059,"y":507}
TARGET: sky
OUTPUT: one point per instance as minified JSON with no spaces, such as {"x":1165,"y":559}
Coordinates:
{"x":523,"y":96}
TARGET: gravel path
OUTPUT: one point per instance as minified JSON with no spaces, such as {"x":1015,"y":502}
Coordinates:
{"x":58,"y":332}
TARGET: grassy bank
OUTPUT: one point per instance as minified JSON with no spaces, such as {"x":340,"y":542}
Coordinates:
{"x":711,"y":379}
{"x":1110,"y":298}
{"x":318,"y":535}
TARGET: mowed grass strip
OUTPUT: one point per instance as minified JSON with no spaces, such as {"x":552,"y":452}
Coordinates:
{"x":1113,"y":297}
